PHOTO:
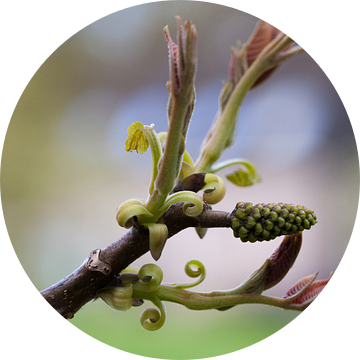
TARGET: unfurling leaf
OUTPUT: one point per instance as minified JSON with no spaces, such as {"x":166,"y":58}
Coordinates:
{"x":310,"y":293}
{"x":300,"y":286}
{"x":243,"y":57}
{"x":243,"y":177}
{"x":283,"y":259}
{"x":136,"y":138}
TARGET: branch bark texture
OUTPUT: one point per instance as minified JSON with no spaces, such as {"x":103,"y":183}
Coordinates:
{"x":101,"y":267}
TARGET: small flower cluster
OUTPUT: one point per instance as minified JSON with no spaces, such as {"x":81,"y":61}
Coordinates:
{"x":267,"y":221}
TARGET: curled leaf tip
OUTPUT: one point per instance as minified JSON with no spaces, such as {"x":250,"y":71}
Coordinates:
{"x":214,"y":190}
{"x":152,"y":319}
{"x":193,"y":204}
{"x":130,"y":208}
{"x":151,"y":275}
{"x":193,"y":269}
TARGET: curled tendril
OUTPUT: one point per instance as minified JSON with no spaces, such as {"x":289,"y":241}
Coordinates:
{"x":158,"y":233}
{"x":193,"y":269}
{"x":151,"y":275}
{"x":130,"y":208}
{"x":153,"y":319}
{"x":193,"y":203}
{"x":118,"y":298}
{"x":214,"y":189}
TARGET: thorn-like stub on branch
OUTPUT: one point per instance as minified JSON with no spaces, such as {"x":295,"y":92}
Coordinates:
{"x":267,"y":221}
{"x":95,"y":264}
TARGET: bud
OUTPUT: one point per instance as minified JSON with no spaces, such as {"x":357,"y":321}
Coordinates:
{"x":119,"y":298}
{"x":283,"y":259}
{"x":182,"y":58}
{"x":243,"y":56}
{"x":305,"y":291}
{"x":193,"y":182}
{"x":267,"y":221}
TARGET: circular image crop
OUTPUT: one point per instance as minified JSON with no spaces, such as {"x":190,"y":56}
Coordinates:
{"x":172,"y":136}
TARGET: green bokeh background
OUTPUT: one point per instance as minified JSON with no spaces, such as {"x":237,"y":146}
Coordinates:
{"x":185,"y":335}
{"x":64,"y":170}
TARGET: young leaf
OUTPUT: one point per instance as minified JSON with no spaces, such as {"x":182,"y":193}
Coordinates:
{"x":300,"y":286}
{"x":136,"y":138}
{"x":243,"y":178}
{"x":309,"y":295}
{"x":283,"y":259}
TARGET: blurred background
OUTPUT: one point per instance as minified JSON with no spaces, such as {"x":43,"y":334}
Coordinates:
{"x":64,"y":170}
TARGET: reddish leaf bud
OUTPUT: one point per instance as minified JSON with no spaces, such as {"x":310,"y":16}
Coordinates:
{"x":243,"y":57}
{"x":311,"y":292}
{"x":182,"y":58}
{"x":283,"y":259}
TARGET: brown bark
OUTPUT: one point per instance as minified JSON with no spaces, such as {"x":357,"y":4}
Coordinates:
{"x":101,"y":267}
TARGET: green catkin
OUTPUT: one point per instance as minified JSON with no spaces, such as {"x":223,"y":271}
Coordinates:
{"x":267,"y":221}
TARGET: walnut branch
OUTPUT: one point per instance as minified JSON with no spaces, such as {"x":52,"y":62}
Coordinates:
{"x":101,"y":267}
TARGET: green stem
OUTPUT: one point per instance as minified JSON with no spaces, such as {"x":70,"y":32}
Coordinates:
{"x":171,"y":159}
{"x":218,"y":136}
{"x":199,"y":301}
{"x":156,"y":152}
{"x":232,"y":162}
